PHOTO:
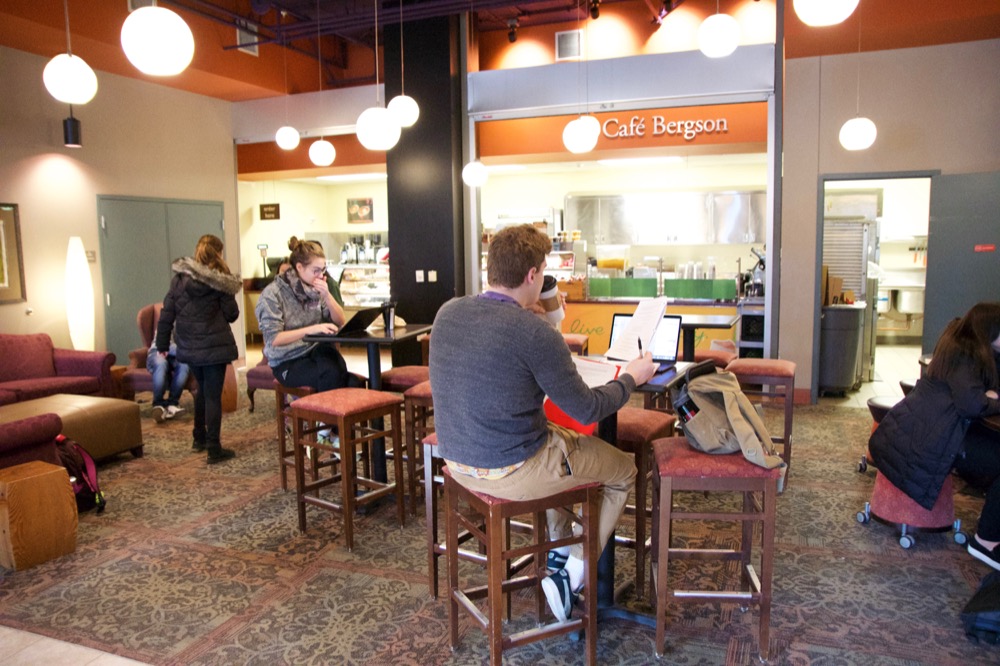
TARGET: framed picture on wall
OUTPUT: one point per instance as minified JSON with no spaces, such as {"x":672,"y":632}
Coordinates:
{"x":11,"y":260}
{"x":359,"y":211}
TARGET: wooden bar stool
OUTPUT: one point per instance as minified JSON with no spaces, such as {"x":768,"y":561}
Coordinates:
{"x":679,"y":467}
{"x":488,"y":524}
{"x":578,"y":343}
{"x":434,"y":483}
{"x":283,"y":396}
{"x":418,"y":408}
{"x":772,"y":377}
{"x":637,"y":428}
{"x":353,"y":412}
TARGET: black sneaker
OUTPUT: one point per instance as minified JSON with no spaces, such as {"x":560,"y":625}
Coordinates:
{"x":220,"y":454}
{"x":979,"y":551}
{"x":159,"y":414}
{"x":559,"y":595}
{"x":555,"y":561}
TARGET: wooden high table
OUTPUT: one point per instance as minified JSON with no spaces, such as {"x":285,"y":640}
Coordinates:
{"x":692,"y":322}
{"x":373,"y":341}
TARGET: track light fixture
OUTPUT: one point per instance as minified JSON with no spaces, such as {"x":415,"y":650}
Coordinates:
{"x":512,"y":25}
{"x":595,"y":8}
{"x":72,"y":131}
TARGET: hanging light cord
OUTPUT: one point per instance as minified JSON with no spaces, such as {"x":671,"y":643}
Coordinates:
{"x":402,"y":86}
{"x":377,"y":98}
{"x":857,"y":63}
{"x":69,"y":50}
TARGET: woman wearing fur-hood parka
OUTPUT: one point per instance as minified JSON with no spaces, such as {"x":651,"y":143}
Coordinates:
{"x":198,"y":310}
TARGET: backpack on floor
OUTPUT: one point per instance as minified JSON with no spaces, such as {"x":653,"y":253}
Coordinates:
{"x":82,"y":474}
{"x":981,"y":616}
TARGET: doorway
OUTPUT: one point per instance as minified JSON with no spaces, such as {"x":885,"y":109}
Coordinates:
{"x":891,"y":215}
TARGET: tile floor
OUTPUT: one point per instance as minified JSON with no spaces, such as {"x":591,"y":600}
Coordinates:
{"x":892,"y":363}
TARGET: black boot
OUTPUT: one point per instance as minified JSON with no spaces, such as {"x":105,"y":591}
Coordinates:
{"x":197,"y":446}
{"x":217,"y":454}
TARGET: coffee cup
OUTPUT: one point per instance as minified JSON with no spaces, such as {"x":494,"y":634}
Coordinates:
{"x":389,"y":316}
{"x":549,"y":300}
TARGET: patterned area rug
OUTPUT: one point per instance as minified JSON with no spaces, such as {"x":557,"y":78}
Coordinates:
{"x":198,"y":564}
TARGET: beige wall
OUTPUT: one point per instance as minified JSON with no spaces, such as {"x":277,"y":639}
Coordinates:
{"x":139,"y":139}
{"x":936,"y":108}
{"x":305,"y":209}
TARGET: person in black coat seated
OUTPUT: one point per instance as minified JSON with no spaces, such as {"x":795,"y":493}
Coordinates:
{"x":937,"y":427}
{"x":198,"y":309}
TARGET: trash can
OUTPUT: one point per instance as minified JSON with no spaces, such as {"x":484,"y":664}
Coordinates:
{"x":839,"y":345}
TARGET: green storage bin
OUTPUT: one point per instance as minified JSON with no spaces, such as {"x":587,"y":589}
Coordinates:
{"x":598,"y":287}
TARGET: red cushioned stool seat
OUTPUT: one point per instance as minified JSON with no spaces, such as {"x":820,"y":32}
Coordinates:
{"x":358,"y":415}
{"x":720,"y":357}
{"x":678,"y":467}
{"x":892,"y":506}
{"x":637,"y":428}
{"x":403,"y":377}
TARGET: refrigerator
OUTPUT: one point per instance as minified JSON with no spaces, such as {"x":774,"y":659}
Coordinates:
{"x":849,"y":244}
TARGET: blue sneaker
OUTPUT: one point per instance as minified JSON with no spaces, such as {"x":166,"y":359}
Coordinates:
{"x":559,"y":594}
{"x":555,"y":561}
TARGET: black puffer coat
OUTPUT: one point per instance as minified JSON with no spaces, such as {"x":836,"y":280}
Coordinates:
{"x":916,"y":443}
{"x":198,"y":309}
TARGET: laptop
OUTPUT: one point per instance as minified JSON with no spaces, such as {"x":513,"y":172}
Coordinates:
{"x":361,"y":320}
{"x":666,"y":339}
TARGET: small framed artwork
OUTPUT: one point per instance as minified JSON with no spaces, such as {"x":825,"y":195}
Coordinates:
{"x":359,"y":211}
{"x":11,"y":260}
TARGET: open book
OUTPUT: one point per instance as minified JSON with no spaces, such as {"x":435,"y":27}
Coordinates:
{"x":642,"y":326}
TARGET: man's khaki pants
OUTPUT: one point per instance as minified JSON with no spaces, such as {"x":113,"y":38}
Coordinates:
{"x":566,"y":460}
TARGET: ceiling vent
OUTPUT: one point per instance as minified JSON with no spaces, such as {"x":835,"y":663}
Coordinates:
{"x":136,"y":4}
{"x":246,"y":36}
{"x":569,"y":45}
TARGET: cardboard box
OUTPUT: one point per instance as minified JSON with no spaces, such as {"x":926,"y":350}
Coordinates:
{"x":823,"y":280}
{"x":835,"y":288}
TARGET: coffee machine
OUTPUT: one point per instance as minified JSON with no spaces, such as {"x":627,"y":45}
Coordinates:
{"x":757,"y":277}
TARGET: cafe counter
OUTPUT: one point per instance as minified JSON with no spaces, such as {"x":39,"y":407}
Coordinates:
{"x":592,"y":317}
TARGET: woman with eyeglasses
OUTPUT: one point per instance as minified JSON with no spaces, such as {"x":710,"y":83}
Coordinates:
{"x":296,"y":304}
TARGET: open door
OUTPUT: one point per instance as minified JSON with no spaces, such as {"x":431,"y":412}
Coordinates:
{"x":963,"y":262}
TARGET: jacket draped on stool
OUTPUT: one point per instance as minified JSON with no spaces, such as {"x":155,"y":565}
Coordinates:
{"x":916,"y":444}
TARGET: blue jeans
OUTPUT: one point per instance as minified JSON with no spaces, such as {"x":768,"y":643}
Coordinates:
{"x":161,"y":368}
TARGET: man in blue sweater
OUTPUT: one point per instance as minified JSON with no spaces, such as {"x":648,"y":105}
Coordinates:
{"x":492,"y":363}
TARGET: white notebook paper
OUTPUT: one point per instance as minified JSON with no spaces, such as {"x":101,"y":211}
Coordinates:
{"x":646,"y":318}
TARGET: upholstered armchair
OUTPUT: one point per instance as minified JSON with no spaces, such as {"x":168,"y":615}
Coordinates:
{"x":137,"y":378}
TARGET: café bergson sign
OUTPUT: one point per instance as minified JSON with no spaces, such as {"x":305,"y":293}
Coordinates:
{"x":636,"y":126}
{"x":743,"y":125}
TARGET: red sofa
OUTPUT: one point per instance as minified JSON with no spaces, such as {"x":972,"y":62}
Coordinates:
{"x":33,"y":438}
{"x":33,"y":368}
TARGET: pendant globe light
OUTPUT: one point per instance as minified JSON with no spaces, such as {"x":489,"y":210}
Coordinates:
{"x":718,"y":35}
{"x":376,"y":128}
{"x":321,"y":153}
{"x":403,"y":108}
{"x":157,"y":41}
{"x":820,"y":13}
{"x":67,"y":77}
{"x":858,"y":133}
{"x":580,"y":135}
{"x":474,"y":174}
